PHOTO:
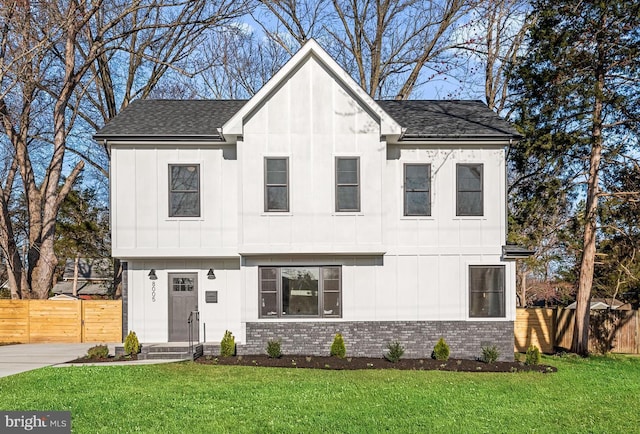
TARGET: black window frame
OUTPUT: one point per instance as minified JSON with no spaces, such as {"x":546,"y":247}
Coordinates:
{"x":416,"y":190}
{"x":267,"y":184}
{"x":338,"y":185}
{"x":278,"y":291}
{"x":459,"y":212}
{"x":473,"y":311}
{"x":173,"y":191}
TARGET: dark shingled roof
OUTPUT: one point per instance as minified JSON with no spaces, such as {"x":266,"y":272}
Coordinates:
{"x":200,"y":119}
{"x":171,"y":119}
{"x":452,"y":119}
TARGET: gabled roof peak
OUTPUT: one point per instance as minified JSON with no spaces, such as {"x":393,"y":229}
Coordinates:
{"x":234,"y":126}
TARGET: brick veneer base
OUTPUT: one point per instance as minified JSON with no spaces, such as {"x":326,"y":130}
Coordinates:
{"x":370,"y":338}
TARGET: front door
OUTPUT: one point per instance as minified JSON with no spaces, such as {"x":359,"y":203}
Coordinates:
{"x":183,"y":299}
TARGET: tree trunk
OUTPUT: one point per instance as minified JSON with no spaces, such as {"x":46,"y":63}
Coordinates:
{"x":580,"y":344}
{"x":76,"y":262}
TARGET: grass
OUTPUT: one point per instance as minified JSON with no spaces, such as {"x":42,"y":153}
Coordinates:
{"x":601,"y":394}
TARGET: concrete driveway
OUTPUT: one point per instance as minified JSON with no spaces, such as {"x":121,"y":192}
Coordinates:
{"x":25,"y":357}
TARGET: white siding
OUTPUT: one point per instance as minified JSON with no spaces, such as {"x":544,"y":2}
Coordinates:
{"x":139,"y":202}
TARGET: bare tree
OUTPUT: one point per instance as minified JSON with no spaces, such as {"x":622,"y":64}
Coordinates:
{"x":56,"y":68}
{"x":385,"y":45}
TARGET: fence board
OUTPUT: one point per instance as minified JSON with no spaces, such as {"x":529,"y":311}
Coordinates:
{"x":14,"y":321}
{"x":102,"y":321}
{"x":70,"y":321}
{"x":535,"y":327}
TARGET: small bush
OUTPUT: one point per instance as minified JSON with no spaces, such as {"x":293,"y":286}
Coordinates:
{"x":338,"y":348}
{"x":227,"y":345}
{"x":131,"y":344}
{"x":532,"y":357}
{"x":273,"y":349}
{"x":98,"y":352}
{"x":489,"y":354}
{"x":441,"y":350}
{"x":395,"y":352}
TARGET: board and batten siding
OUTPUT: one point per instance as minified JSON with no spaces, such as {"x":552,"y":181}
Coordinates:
{"x":311,"y":119}
{"x":141,"y":225}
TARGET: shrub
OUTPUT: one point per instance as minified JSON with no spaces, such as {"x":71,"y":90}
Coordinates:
{"x":131,"y":344}
{"x":98,"y":352}
{"x":273,"y":349}
{"x":395,"y":352}
{"x":532,"y":357}
{"x":441,"y":350}
{"x":338,"y":348}
{"x":489,"y":354}
{"x":227,"y":345}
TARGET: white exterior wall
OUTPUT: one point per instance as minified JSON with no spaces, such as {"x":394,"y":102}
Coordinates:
{"x":311,"y":120}
{"x":140,"y":222}
{"x":393,"y":267}
{"x":150,"y":319}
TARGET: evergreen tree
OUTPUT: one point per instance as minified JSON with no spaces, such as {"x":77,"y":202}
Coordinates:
{"x":578,"y":87}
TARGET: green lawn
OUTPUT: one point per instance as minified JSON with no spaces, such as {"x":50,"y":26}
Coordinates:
{"x":598,"y":395}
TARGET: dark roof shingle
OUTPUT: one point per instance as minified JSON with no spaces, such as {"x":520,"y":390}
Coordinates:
{"x":191,"y":119}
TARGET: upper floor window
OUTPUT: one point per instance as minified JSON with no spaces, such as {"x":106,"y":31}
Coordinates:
{"x":486,"y":291}
{"x":300,"y":291}
{"x":417,"y":189}
{"x":276,"y":184}
{"x":348,"y":184}
{"x":469,"y":181}
{"x":184,"y":190}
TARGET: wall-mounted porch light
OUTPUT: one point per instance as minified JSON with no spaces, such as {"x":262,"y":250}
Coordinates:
{"x":211,"y":275}
{"x":152,"y":275}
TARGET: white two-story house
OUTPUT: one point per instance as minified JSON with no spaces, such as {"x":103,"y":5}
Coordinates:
{"x":312,"y":209}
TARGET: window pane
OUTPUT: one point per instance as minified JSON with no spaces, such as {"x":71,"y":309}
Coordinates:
{"x":331,"y":273}
{"x":277,"y":199}
{"x":184,"y":204}
{"x":184,"y":178}
{"x":347,"y":170}
{"x":268,"y":273}
{"x":469,"y":203}
{"x":182,"y":284}
{"x":269,"y":304}
{"x":331,"y":304}
{"x":487,"y":288}
{"x":300,"y":291}
{"x":276,"y":171}
{"x":469,"y":177}
{"x":416,"y":177}
{"x":347,"y":198}
{"x":418,"y":203}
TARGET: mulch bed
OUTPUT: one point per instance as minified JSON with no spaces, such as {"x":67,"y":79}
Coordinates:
{"x":109,"y":359}
{"x":351,"y":363}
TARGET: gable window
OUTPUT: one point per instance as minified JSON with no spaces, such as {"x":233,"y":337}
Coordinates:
{"x":486,"y":291}
{"x":469,"y":190}
{"x":184,"y":190}
{"x":347,"y":184}
{"x":417,"y":189}
{"x":300,"y":291}
{"x":276,"y":184}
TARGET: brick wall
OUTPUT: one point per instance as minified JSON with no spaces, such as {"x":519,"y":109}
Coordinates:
{"x":370,"y":338}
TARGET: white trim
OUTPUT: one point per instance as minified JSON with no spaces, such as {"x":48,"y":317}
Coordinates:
{"x":235,"y":125}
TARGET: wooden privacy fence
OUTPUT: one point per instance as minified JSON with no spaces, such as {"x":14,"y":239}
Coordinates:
{"x":64,"y":321}
{"x":616,"y":331}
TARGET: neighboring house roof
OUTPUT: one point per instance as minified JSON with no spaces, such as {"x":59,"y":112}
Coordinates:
{"x":84,"y":288}
{"x":604,"y":303}
{"x":94,"y":277}
{"x":89,"y":269}
{"x":150,"y":120}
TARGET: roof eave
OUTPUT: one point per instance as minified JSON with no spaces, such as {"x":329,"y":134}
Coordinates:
{"x":155,"y":138}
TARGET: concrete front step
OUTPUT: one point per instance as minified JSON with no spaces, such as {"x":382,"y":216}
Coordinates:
{"x":165,"y":351}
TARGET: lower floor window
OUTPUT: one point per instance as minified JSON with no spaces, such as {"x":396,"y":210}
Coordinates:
{"x":300,"y":291}
{"x":486,"y":291}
